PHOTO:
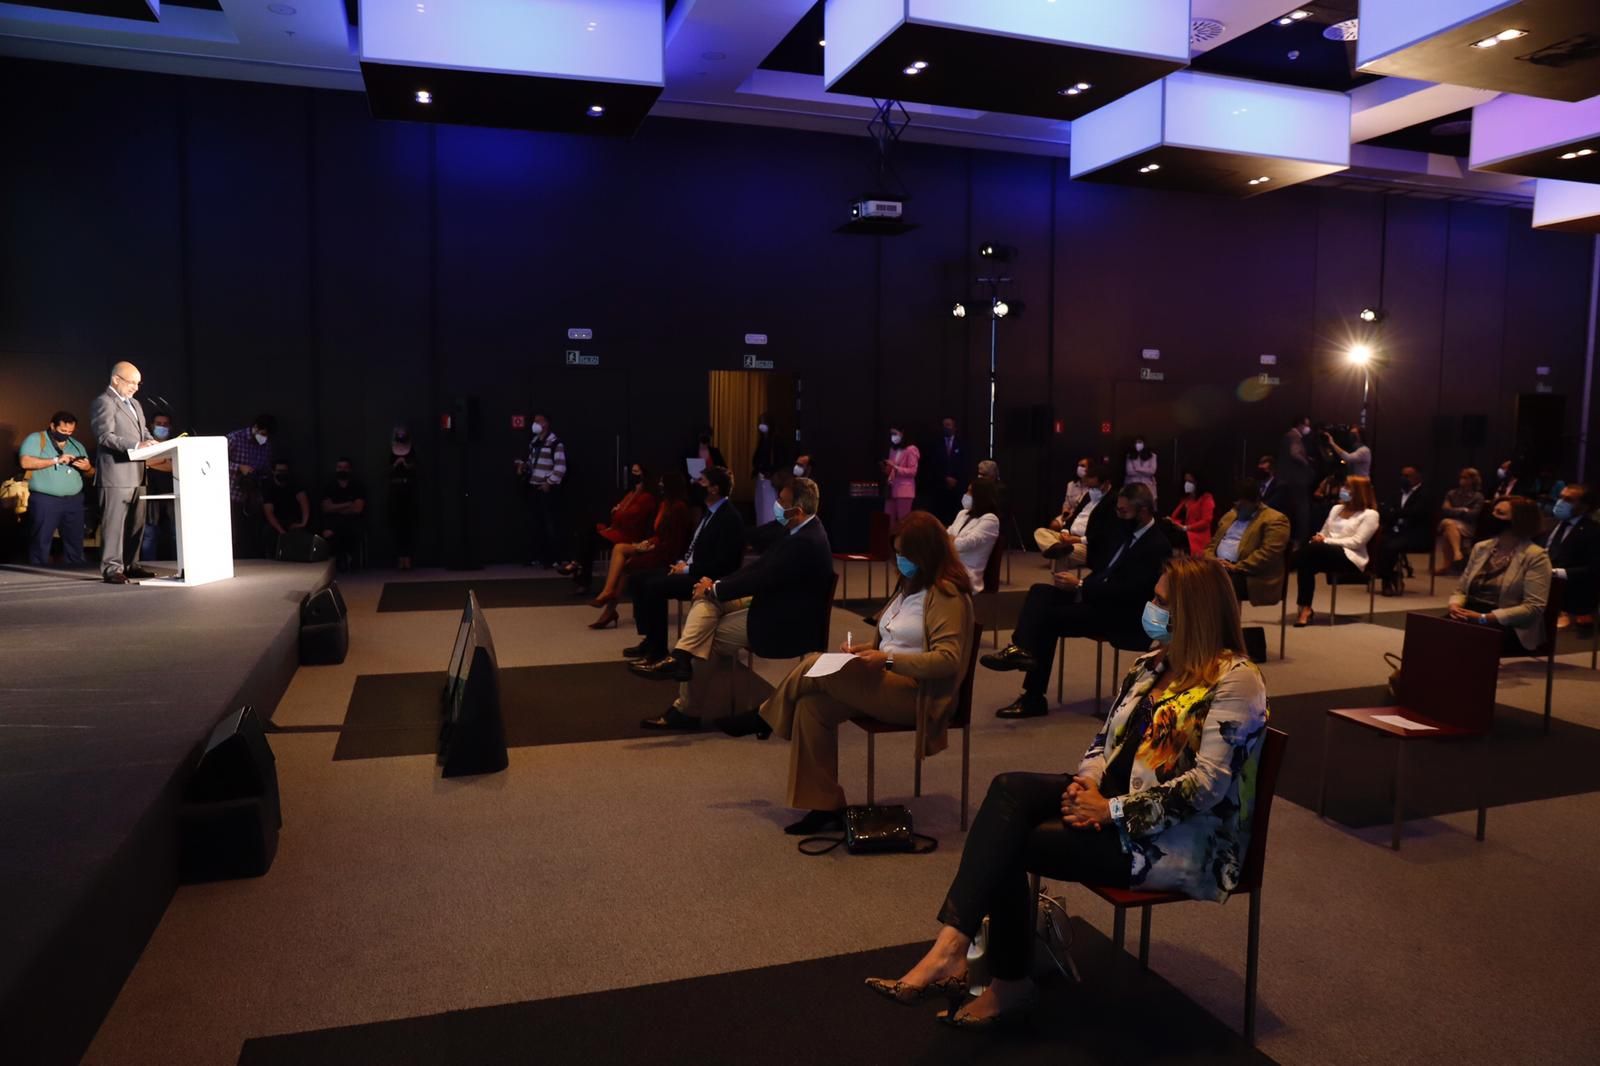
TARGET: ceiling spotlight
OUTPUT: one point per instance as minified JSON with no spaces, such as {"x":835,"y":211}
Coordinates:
{"x":1511,"y":35}
{"x":1487,"y":42}
{"x":1286,"y":21}
{"x":1000,"y":253}
{"x":1371,"y":314}
{"x":1073,"y":91}
{"x":424,"y":96}
{"x":912,"y":70}
{"x":920,"y":64}
{"x":1149,"y":167}
{"x":959,"y":310}
{"x":1584,"y":151}
{"x":822,"y":43}
{"x":1001,"y":309}
{"x":596,"y":110}
{"x":1299,"y":14}
{"x":1359,"y":354}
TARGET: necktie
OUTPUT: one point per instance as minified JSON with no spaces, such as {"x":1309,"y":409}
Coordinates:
{"x":688,"y":556}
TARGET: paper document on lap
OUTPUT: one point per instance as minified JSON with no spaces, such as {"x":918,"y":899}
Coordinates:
{"x":829,"y":663}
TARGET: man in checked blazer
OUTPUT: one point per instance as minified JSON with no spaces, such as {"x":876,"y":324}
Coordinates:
{"x":119,"y":426}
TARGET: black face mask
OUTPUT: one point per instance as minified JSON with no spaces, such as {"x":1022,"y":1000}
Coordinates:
{"x":282,"y":479}
{"x":697,"y":493}
{"x":59,"y":438}
{"x":342,"y":476}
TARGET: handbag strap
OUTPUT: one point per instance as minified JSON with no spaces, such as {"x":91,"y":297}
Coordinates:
{"x":920,"y":839}
{"x":921,"y":844}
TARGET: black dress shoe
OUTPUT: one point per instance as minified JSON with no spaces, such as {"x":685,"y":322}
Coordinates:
{"x":139,"y":572}
{"x":1009,"y":657}
{"x":742,"y":725}
{"x":643,"y":650}
{"x":672,"y":719}
{"x":816,"y":822}
{"x":116,"y":577}
{"x":1024,"y":706}
{"x":675,"y":667}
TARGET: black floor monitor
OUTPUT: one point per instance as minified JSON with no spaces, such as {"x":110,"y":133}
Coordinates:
{"x":472,"y":736}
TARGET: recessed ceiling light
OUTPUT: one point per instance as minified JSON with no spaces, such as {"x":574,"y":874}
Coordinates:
{"x":591,"y":26}
{"x":822,"y":43}
{"x":595,"y":110}
{"x":1299,"y":14}
{"x":1511,"y":35}
{"x":1259,"y":181}
{"x":1569,"y":155}
{"x":1149,"y":167}
{"x":1585,"y":151}
{"x":1487,"y":42}
{"x":1286,"y":21}
{"x":921,"y":64}
{"x":424,"y":96}
{"x":912,"y":70}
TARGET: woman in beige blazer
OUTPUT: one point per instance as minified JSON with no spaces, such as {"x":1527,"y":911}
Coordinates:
{"x":1507,"y":580}
{"x":909,"y":672}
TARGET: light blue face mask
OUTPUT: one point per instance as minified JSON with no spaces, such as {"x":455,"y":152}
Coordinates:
{"x":1344,"y":495}
{"x":1562,"y":510}
{"x":1157,"y":622}
{"x":778,"y":512}
{"x":906,"y":566}
{"x":161,"y":432}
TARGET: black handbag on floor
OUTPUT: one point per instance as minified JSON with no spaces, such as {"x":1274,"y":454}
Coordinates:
{"x":872,"y":830}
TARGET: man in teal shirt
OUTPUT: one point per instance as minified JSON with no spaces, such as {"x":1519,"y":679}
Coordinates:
{"x":56,"y":463}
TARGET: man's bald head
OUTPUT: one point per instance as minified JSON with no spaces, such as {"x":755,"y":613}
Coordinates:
{"x":126,"y":379}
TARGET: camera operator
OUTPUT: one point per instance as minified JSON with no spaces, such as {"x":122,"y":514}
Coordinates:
{"x":1358,"y":460}
{"x":56,"y":462}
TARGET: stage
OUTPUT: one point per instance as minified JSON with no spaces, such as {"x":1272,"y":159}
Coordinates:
{"x":109,"y":692}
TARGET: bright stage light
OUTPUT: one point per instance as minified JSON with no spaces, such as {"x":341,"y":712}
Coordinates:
{"x":1371,"y":314}
{"x":1001,"y":309}
{"x":959,"y":310}
{"x":1359,"y":354}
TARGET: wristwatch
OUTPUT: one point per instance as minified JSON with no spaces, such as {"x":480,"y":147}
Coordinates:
{"x":1483,"y":619}
{"x":1114,"y":804}
{"x":888,"y":664}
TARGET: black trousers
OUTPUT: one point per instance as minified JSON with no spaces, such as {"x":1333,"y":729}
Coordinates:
{"x":1317,"y":559}
{"x":544,"y":514}
{"x":1049,"y":613}
{"x":1386,"y":555}
{"x":650,"y":593}
{"x":49,"y":513}
{"x":588,"y":542}
{"x":1003,"y":848}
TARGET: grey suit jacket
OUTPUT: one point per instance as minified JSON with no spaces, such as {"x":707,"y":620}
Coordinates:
{"x":117,"y":427}
{"x":1524,"y":590}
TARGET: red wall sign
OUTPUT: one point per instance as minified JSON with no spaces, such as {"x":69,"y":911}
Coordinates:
{"x":519,"y":421}
{"x":1105,"y":428}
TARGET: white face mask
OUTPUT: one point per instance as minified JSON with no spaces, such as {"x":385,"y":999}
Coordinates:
{"x":895,"y":438}
{"x":1188,"y":486}
{"x":799,"y":471}
{"x":1083,"y":470}
{"x":538,"y":430}
{"x":1096,"y":495}
{"x":966,"y":502}
{"x":261,"y":438}
{"x":1138,"y":445}
{"x":761,"y":427}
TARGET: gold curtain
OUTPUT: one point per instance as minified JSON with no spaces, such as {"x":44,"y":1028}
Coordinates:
{"x":737,"y":399}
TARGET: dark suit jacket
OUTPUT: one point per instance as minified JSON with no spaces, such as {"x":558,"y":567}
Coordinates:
{"x":940,"y":466}
{"x":1413,"y":521}
{"x":1579,"y":555}
{"x":1118,"y":593}
{"x":720,"y":549}
{"x":788,"y":584}
{"x":1105,"y":533}
{"x":1275,"y":494}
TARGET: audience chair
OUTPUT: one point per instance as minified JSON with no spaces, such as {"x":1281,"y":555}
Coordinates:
{"x":880,"y":549}
{"x":961,"y":719}
{"x":1446,"y":687}
{"x":1250,"y":878}
{"x":1366,"y":577}
{"x":818,"y":642}
{"x":1283,"y":602}
{"x":1099,"y":679}
{"x":1547,"y":650}
{"x":991,"y":584}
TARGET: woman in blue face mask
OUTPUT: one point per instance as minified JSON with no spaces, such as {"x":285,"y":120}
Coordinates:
{"x":1340,"y":550}
{"x":976,"y":529}
{"x":1161,"y":801}
{"x":907,"y":672}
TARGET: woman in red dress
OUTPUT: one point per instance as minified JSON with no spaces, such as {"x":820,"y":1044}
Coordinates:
{"x":629,"y":522}
{"x":668,"y":539}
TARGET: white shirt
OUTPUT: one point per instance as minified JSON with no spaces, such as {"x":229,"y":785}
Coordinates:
{"x":975,"y":539}
{"x":901,"y":626}
{"x":1353,"y":534}
{"x":1080,"y":524}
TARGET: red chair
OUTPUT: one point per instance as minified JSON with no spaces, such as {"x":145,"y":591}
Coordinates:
{"x":961,"y":719}
{"x":1250,"y":877}
{"x":880,"y":549}
{"x":1446,"y":688}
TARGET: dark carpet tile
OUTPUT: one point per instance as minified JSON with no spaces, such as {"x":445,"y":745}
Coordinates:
{"x":492,"y":592}
{"x":799,"y":1014}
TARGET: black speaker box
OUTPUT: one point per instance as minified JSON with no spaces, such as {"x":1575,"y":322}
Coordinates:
{"x":229,"y":819}
{"x":302,"y":546}
{"x":324,"y":628}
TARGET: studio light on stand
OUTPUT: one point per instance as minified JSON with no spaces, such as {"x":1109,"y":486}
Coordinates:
{"x":959,"y":310}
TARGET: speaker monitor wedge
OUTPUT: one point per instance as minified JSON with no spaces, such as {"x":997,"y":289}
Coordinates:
{"x":324,"y":628}
{"x":229,"y":817}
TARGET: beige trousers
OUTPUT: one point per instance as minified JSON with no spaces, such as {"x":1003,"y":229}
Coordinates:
{"x":714,"y":633}
{"x":1047,"y":538}
{"x":808,"y":711}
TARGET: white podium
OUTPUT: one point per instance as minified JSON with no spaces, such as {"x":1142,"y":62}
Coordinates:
{"x":201,"y":506}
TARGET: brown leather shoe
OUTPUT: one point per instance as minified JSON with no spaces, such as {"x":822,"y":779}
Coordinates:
{"x":116,"y":577}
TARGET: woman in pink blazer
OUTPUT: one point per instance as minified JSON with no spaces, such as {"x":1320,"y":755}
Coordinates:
{"x":900,"y":472}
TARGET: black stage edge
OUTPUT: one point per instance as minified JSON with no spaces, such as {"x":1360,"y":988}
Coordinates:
{"x":110,"y":693}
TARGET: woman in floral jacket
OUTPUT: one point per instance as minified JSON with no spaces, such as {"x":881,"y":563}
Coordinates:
{"x":1161,"y":801}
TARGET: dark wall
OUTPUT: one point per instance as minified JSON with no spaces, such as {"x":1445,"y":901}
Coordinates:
{"x":263,"y":248}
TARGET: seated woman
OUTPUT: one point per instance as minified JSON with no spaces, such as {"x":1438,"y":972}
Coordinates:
{"x":1161,"y":801}
{"x":668,"y":539}
{"x":1458,"y":519}
{"x":628,"y":523}
{"x":976,"y":529}
{"x":1507,"y":580}
{"x":1193,"y":514}
{"x":1325,"y":497}
{"x":1341,"y":547}
{"x":908,"y":673}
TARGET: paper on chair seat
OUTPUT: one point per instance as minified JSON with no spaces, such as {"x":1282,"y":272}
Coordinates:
{"x":829,"y":663}
{"x":1399,"y":722}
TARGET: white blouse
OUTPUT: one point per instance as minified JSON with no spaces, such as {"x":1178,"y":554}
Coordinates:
{"x":1352,"y":533}
{"x":901,"y":626}
{"x":975,"y":539}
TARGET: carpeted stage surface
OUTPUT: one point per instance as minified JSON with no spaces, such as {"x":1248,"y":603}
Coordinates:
{"x":1521,"y":763}
{"x":800,"y":1014}
{"x":391,"y":715}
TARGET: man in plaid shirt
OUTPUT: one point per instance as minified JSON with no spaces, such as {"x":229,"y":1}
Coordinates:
{"x":546,"y":471}
{"x":249,"y":467}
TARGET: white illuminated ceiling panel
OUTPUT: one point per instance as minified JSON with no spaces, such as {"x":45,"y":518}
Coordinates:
{"x":1566,"y":205}
{"x":1537,"y":138}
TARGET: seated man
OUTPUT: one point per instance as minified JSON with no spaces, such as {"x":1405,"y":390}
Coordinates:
{"x":1409,"y":524}
{"x":1111,"y":606}
{"x":1069,"y":534}
{"x":716,"y":548}
{"x":1574,"y":547}
{"x":284,"y":504}
{"x":343,"y":511}
{"x":771,"y":603}
{"x":1250,"y":542}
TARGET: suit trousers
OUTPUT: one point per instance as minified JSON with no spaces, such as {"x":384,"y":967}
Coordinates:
{"x":808,"y":711}
{"x":544,"y":515}
{"x":650,"y":593}
{"x":121,"y":527}
{"x":49,"y":513}
{"x":1317,"y":559}
{"x":1049,"y":613}
{"x":1002,"y":850}
{"x":713,"y":632}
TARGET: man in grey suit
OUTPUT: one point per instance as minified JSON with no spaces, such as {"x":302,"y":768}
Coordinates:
{"x":119,"y":426}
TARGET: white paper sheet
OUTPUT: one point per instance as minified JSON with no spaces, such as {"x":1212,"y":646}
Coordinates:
{"x":829,"y":663}
{"x":696,"y":467}
{"x":1399,"y":722}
